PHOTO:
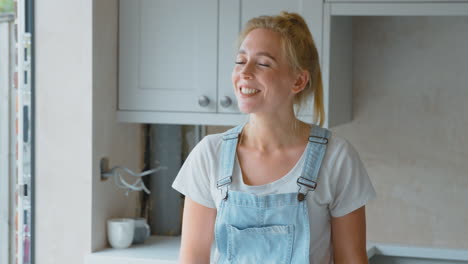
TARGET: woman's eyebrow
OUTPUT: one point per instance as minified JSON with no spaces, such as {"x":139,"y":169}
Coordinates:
{"x":260,"y":53}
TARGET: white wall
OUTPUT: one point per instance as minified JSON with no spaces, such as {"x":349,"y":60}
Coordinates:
{"x":63,"y":130}
{"x":75,"y":126}
{"x":411,"y":127}
{"x":121,"y":143}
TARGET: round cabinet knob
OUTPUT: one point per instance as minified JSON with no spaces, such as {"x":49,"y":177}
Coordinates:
{"x":226,"y":101}
{"x":203,"y":101}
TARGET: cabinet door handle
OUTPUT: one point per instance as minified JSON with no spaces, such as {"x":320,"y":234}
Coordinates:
{"x":226,"y":102}
{"x":203,"y":101}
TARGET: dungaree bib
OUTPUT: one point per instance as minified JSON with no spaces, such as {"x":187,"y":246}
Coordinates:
{"x":270,"y":228}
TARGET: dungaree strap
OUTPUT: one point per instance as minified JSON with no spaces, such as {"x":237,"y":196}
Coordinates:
{"x":315,"y":151}
{"x":228,"y":154}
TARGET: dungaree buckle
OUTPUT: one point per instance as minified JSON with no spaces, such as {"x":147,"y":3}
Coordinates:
{"x":318,"y":140}
{"x":223,"y":181}
{"x":308,"y":184}
{"x":221,"y":185}
{"x":224,"y":192}
{"x":225,"y":195}
{"x":301,"y":197}
{"x":230,"y":136}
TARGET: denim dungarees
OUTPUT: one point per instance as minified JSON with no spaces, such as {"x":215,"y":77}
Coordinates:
{"x":270,"y":228}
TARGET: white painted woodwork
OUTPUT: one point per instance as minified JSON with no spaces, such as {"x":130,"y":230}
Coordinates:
{"x":337,"y":70}
{"x":155,"y":88}
{"x":167,"y":55}
{"x":399,"y":9}
{"x":337,"y":44}
{"x":170,"y":56}
{"x":393,"y":1}
{"x":6,"y":128}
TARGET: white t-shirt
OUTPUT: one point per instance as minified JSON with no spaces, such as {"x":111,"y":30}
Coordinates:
{"x":342,"y":187}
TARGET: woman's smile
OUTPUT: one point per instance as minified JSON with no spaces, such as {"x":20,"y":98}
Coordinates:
{"x":248,"y":91}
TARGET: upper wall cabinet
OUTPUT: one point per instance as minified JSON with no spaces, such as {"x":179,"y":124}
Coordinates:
{"x":176,"y":57}
{"x":168,"y":55}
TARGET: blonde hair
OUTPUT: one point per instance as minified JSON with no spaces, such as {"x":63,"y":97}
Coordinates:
{"x":301,"y":53}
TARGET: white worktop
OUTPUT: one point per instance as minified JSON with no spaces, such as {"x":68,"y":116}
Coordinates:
{"x":165,"y":250}
{"x":155,"y":250}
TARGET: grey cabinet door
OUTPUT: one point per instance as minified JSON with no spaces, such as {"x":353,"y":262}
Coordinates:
{"x":232,"y":17}
{"x":168,"y":55}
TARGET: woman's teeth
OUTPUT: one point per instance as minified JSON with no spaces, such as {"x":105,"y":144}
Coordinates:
{"x":249,"y":91}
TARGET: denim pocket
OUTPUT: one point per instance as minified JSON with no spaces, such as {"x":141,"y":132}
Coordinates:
{"x":269,"y":244}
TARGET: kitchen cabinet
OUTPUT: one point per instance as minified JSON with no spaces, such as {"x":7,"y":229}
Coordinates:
{"x":168,"y":55}
{"x":176,"y":58}
{"x":175,"y":64}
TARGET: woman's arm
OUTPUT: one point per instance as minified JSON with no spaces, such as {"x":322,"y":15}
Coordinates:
{"x":349,"y":237}
{"x":197,"y":233}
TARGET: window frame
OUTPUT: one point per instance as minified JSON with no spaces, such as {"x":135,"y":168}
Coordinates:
{"x":7,"y":133}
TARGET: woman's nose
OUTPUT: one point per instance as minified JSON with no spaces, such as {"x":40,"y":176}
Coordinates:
{"x":246,"y":72}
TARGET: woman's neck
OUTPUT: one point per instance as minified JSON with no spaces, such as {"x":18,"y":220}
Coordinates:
{"x":273,"y":133}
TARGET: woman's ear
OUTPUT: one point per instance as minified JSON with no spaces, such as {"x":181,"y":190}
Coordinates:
{"x":302,"y":79}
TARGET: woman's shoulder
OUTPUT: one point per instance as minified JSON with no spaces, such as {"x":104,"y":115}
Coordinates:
{"x":338,"y":147}
{"x":337,"y":143}
{"x":212,"y":141}
{"x":209,"y":146}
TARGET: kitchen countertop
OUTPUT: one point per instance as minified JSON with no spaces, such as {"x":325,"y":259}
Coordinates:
{"x":155,"y":250}
{"x":165,"y":250}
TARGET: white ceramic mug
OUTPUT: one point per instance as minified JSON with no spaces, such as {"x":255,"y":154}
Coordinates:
{"x":142,"y":230}
{"x":120,"y":232}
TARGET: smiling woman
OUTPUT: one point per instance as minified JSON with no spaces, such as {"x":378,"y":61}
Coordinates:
{"x":275,"y":189}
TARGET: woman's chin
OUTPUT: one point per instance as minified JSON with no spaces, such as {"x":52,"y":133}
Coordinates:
{"x":245,"y":109}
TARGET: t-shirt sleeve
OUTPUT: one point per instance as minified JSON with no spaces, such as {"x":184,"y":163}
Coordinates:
{"x":193,"y":178}
{"x":352,"y":187}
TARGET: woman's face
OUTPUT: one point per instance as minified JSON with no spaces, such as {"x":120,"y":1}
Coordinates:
{"x":262,"y":78}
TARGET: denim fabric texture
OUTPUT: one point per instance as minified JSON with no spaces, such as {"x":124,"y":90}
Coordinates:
{"x":270,"y":228}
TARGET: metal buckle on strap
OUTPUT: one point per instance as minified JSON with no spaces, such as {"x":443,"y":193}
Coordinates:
{"x":222,"y":185}
{"x":307,"y":183}
{"x":223,"y":181}
{"x":231,"y":136}
{"x":319,"y":140}
{"x":225,"y":194}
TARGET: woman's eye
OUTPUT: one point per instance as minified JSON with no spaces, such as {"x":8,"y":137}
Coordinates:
{"x":239,"y":62}
{"x":264,"y":65}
